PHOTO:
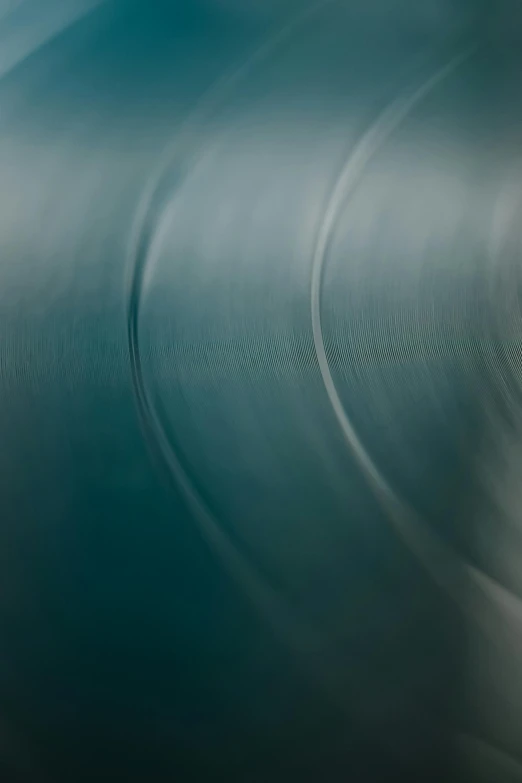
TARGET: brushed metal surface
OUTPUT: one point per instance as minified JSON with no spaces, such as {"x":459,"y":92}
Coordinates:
{"x":259,"y":290}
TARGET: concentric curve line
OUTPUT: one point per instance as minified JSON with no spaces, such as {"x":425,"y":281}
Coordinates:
{"x":477,"y":594}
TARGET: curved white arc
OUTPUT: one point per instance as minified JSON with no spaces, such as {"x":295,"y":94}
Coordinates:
{"x":473,"y":591}
{"x":265,"y":599}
